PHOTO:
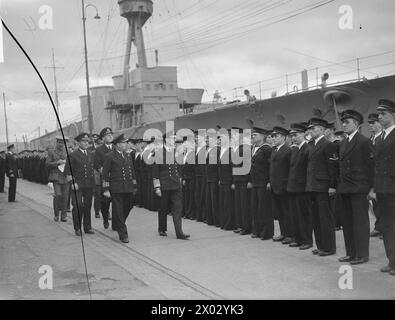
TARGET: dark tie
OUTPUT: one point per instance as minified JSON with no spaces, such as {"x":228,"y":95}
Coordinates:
{"x":383,"y":136}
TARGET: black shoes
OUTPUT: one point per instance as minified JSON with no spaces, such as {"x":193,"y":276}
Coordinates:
{"x":238,"y":230}
{"x":183,"y":237}
{"x":105,"y":225}
{"x":278,"y":238}
{"x":63,"y":218}
{"x":124,"y":240}
{"x":305,"y":246}
{"x":345,"y":259}
{"x":163,"y":233}
{"x":56,"y":218}
{"x":78,"y":233}
{"x":287,"y":240}
{"x":326,"y":253}
{"x":359,"y":261}
{"x":315,"y":251}
{"x":245,"y":232}
{"x":90,"y":232}
{"x":295,"y":245}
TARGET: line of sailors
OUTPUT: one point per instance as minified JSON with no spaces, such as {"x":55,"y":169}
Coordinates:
{"x":301,"y":177}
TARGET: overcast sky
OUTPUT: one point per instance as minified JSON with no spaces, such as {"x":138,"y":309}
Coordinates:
{"x":216,"y":44}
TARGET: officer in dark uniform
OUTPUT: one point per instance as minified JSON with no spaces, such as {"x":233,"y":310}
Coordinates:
{"x":240,"y":186}
{"x":119,"y":183}
{"x":355,"y":182}
{"x":94,"y":144}
{"x":212,"y":212}
{"x":2,"y":171}
{"x":11,"y":170}
{"x":138,"y":166}
{"x":79,"y":167}
{"x":376,"y":130}
{"x":167,"y":184}
{"x":107,"y":136}
{"x":188,"y":178}
{"x":279,"y":172}
{"x":261,"y":206}
{"x":200,"y":178}
{"x":298,"y":198}
{"x":226,"y":194}
{"x":321,"y":183}
{"x":384,"y":182}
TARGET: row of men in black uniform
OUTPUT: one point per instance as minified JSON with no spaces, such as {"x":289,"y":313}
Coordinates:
{"x":306,"y":185}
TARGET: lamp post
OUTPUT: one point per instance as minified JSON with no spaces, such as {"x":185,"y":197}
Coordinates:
{"x":90,"y":114}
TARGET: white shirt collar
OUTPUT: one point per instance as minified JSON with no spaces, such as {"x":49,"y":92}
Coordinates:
{"x":378,"y":135}
{"x":388,"y":131}
{"x":301,"y":145}
{"x":318,"y":139}
{"x":352,"y":135}
{"x":83,"y":151}
{"x":280,"y":146}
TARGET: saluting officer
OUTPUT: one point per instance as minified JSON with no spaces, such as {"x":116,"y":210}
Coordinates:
{"x":384,"y":181}
{"x":321,"y":183}
{"x":355,"y":182}
{"x":376,"y":130}
{"x":107,"y":136}
{"x":167,"y":184}
{"x":11,"y":170}
{"x":2,"y":171}
{"x":79,"y":167}
{"x":261,"y":206}
{"x":119,"y":183}
{"x":298,"y":198}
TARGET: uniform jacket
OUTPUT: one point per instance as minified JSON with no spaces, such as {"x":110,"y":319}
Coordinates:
{"x":2,"y":165}
{"x":11,"y":166}
{"x":279,"y":169}
{"x":118,"y":173}
{"x":55,"y":175}
{"x":321,"y":168}
{"x":82,"y":168}
{"x":225,"y":167}
{"x":200,"y":168}
{"x":384,"y":180}
{"x":169,"y":175}
{"x":356,"y":164}
{"x":100,"y":154}
{"x":298,"y":169}
{"x":188,"y":170}
{"x":212,"y":169}
{"x":240,"y":152}
{"x":260,"y":166}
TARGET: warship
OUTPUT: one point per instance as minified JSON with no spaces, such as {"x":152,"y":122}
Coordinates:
{"x":147,"y":97}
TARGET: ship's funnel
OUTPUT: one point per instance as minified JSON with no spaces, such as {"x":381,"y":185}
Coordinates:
{"x":137,"y":12}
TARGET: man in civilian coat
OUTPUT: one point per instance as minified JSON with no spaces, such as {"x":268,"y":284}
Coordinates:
{"x":384,"y":181}
{"x":168,"y":186}
{"x":100,"y":153}
{"x":2,"y":171}
{"x":321,"y":183}
{"x":119,"y":184}
{"x":226,"y":196}
{"x":299,"y":199}
{"x":79,"y":170}
{"x":376,"y":130}
{"x":355,"y":182}
{"x":11,"y":170}
{"x":261,"y":206}
{"x":279,"y":172}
